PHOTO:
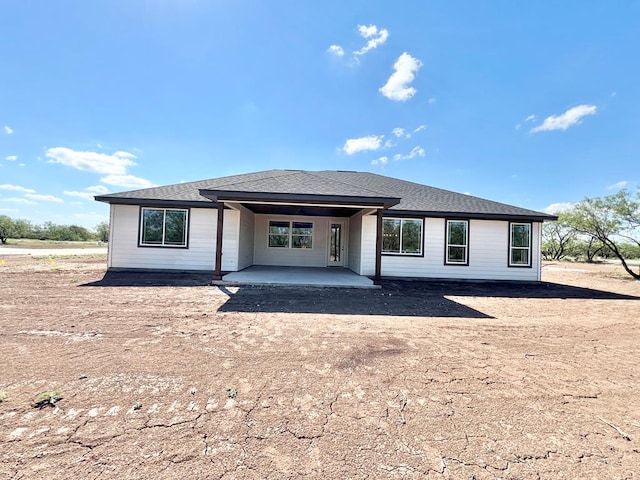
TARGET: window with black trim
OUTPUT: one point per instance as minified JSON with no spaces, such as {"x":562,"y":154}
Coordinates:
{"x":402,"y":236}
{"x":457,"y":251}
{"x":163,"y":227}
{"x":519,"y":244}
{"x":283,"y":234}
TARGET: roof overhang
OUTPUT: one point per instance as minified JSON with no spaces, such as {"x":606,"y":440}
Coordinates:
{"x":474,"y":216}
{"x":152,"y":202}
{"x":300,"y":199}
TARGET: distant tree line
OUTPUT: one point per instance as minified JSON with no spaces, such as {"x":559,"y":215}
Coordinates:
{"x":597,"y":228}
{"x":17,"y":228}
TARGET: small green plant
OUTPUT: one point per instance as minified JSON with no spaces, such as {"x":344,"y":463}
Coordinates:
{"x":3,"y":396}
{"x":73,"y":280}
{"x":47,"y":399}
{"x":137,"y":406}
{"x":231,"y":392}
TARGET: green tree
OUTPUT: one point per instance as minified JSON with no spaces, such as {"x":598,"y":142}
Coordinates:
{"x":613,"y":220}
{"x":7,"y":228}
{"x":102,"y":231}
{"x":558,"y":238}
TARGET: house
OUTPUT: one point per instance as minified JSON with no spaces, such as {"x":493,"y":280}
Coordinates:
{"x":374,"y":225}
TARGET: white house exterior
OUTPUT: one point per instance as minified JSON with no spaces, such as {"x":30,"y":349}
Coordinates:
{"x":373,"y":225}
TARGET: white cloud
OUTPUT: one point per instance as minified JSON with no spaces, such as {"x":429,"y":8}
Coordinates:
{"x":115,"y":164}
{"x":98,"y":189}
{"x":16,"y":188}
{"x":530,"y":118}
{"x":618,"y":186}
{"x":127,"y":181}
{"x":43,"y":198}
{"x":11,"y":158}
{"x":415,"y":152}
{"x":559,"y":207}
{"x":376,"y":37}
{"x":355,"y":145}
{"x":8,"y":130}
{"x":432,"y":100}
{"x":420,"y":128}
{"x":89,"y":193}
{"x":382,"y":161}
{"x":567,"y":119}
{"x":85,"y":195}
{"x":336,"y":50}
{"x":397,"y":87}
{"x":19,"y":200}
{"x":398,"y":132}
{"x":21,"y":165}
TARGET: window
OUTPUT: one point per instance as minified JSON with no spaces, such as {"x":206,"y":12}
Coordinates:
{"x":290,"y":234}
{"x":402,"y":236}
{"x":520,"y":245}
{"x":457,"y":252}
{"x":163,"y":227}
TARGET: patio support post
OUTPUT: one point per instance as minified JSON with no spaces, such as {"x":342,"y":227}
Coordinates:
{"x":218,"y":269}
{"x":378,"y":245}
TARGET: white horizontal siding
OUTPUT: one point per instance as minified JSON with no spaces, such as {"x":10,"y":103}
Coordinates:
{"x":488,"y":253}
{"x":246,"y":238}
{"x":200,"y":255}
{"x":355,"y":243}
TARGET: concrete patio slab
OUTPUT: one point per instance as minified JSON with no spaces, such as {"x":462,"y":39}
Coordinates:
{"x":297,"y":276}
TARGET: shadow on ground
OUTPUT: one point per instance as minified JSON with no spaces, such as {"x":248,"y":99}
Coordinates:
{"x":396,"y":297}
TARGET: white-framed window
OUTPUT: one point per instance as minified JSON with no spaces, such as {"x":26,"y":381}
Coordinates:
{"x":163,"y":227}
{"x":285,"y":234}
{"x":457,"y":249}
{"x":402,"y":236}
{"x":519,"y":244}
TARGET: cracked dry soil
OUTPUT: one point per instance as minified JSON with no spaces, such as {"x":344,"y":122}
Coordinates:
{"x":167,"y":377}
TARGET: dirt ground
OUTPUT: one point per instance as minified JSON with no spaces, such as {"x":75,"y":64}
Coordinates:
{"x":164,"y":376}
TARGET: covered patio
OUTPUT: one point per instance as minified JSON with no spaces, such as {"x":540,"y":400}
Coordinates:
{"x":297,"y":276}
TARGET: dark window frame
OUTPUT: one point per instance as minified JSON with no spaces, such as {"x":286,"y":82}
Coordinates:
{"x":511,"y":247}
{"x":448,"y":262}
{"x":290,"y":235}
{"x":422,"y":237}
{"x":187,"y":225}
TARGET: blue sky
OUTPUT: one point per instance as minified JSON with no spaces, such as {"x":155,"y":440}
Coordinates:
{"x":527,"y":103}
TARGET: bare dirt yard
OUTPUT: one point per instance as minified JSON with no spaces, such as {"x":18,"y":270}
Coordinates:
{"x":165,"y":376}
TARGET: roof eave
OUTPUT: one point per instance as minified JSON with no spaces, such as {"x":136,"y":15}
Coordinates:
{"x":303,"y":198}
{"x":476,"y":215}
{"x":156,"y":202}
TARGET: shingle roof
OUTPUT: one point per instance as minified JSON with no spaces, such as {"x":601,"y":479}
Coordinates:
{"x":414,"y":197}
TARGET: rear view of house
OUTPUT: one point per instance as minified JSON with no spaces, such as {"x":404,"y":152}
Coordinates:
{"x":374,"y":225}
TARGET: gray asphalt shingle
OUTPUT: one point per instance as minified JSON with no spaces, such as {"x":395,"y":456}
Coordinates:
{"x":414,"y":197}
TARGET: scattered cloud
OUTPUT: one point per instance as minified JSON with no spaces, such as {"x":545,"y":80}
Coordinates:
{"x":559,"y":207}
{"x":376,"y":37}
{"x":415,"y":152}
{"x":420,"y":128}
{"x":618,"y":186}
{"x":8,"y":130}
{"x":397,"y":86}
{"x":22,"y":165}
{"x":399,"y":132}
{"x":382,"y":161}
{"x":85,"y":195}
{"x":98,"y":189}
{"x":16,"y":188}
{"x":24,"y":201}
{"x":530,"y":118}
{"x":102,"y":163}
{"x":432,"y":100}
{"x":89,"y":192}
{"x":11,"y":158}
{"x":571,"y":117}
{"x":127,"y":181}
{"x":43,"y":198}
{"x":336,"y":50}
{"x":355,"y":145}
{"x":518,"y":126}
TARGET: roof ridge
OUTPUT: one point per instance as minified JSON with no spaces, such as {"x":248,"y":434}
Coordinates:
{"x":347,"y":183}
{"x":274,"y":170}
